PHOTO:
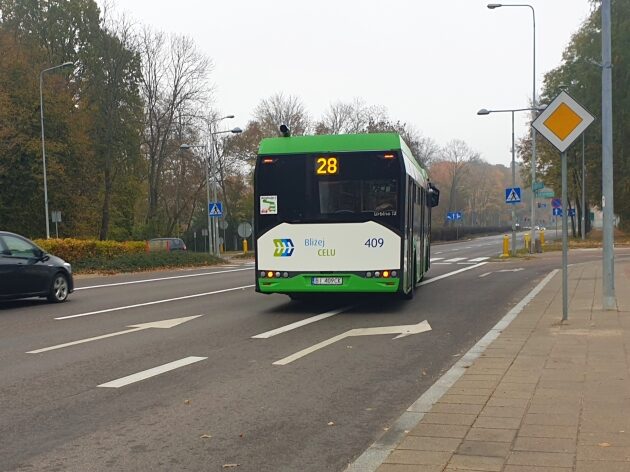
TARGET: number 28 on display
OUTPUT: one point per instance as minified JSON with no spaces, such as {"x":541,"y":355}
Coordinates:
{"x":327,"y":166}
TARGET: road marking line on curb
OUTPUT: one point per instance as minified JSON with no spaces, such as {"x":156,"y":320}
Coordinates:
{"x":449,"y":274}
{"x":156,"y":302}
{"x":299,"y":324}
{"x":374,"y":456}
{"x":145,"y":374}
{"x":144,"y":281}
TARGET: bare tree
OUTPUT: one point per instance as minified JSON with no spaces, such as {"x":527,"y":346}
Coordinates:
{"x":350,"y":118}
{"x":280,"y":109}
{"x":174,"y":82}
{"x":456,"y":156}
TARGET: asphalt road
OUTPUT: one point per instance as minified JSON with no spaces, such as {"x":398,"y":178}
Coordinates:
{"x":226,"y":402}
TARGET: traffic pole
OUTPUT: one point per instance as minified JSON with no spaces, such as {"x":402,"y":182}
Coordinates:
{"x":565,"y":240}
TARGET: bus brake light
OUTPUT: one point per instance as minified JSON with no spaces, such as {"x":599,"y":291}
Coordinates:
{"x":389,"y":156}
{"x":268,"y":160}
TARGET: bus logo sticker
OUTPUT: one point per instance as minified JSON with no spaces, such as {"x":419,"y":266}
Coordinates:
{"x":269,"y":204}
{"x":284,"y":247}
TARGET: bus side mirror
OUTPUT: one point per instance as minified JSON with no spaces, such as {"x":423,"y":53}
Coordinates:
{"x":434,"y":196}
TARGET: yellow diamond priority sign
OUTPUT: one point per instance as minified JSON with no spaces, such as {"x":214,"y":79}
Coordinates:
{"x":563,"y":121}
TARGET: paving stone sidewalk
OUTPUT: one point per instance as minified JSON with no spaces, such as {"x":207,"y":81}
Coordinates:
{"x":543,"y":397}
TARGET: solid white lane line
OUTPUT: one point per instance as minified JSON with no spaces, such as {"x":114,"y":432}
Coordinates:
{"x":436,"y":259}
{"x":197,"y":295}
{"x":144,"y":281}
{"x":298,"y":324}
{"x":145,"y":374}
{"x":479,"y":259}
{"x":449,"y":274}
{"x":455,"y":259}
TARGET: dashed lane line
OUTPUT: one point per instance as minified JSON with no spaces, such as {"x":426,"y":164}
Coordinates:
{"x":145,"y":374}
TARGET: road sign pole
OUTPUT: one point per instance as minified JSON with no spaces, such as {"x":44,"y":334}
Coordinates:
{"x":608,"y":285}
{"x":583,"y":221}
{"x":565,"y":239}
{"x":513,"y":185}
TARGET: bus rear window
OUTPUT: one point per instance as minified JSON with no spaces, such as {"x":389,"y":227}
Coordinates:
{"x":378,"y":197}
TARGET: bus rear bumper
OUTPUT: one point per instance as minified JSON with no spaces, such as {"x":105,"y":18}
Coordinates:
{"x":351,"y":283}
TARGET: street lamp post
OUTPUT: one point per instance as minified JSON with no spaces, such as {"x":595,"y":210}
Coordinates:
{"x":212,"y":245}
{"x":493,"y":6}
{"x":484,"y":111}
{"x":205,"y":165}
{"x":215,"y":225}
{"x":41,"y":116}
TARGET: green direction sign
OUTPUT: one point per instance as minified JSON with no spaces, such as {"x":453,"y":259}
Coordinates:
{"x":548,"y":194}
{"x":538,"y":186}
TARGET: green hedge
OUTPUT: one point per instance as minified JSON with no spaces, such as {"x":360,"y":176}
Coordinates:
{"x":144,"y":261}
{"x":88,"y":255}
{"x":78,"y":250}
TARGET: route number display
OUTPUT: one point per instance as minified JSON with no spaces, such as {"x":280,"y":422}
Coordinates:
{"x":327,"y":166}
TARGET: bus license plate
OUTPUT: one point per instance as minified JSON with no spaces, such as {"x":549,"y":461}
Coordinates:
{"x":327,"y":281}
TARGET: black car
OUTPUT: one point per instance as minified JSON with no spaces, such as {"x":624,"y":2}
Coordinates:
{"x":28,"y":271}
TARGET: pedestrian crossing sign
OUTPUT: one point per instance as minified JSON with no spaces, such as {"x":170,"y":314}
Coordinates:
{"x":215,"y":209}
{"x":513,"y":195}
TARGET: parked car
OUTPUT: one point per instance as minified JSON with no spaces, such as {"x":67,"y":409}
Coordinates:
{"x":166,"y":244}
{"x":28,"y":271}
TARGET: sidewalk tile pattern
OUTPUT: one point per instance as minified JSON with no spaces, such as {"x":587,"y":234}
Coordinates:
{"x":543,"y":397}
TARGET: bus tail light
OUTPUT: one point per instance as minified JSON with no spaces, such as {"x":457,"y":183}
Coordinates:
{"x":389,"y":156}
{"x":273,"y":275}
{"x":385,"y":274}
{"x":268,"y":160}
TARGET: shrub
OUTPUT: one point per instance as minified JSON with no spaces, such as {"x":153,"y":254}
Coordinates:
{"x":146,"y":261}
{"x":78,"y":250}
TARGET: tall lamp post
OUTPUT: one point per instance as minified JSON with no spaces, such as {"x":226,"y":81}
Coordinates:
{"x":41,"y":116}
{"x":215,"y":225}
{"x":212,"y":246}
{"x":205,"y":165}
{"x":484,"y":111}
{"x":493,"y":6}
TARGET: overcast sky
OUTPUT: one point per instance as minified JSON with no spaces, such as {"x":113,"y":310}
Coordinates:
{"x":432,"y":64}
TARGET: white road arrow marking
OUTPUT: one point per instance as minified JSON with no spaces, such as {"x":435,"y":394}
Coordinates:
{"x":401,"y":331}
{"x":164,"y":324}
{"x":502,"y":270}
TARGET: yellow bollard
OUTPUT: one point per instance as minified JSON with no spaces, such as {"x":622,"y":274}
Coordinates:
{"x":542,"y":238}
{"x":527,"y":240}
{"x":244,"y":246}
{"x":506,"y":246}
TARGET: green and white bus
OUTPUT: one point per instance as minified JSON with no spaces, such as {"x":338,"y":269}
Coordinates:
{"x":341,"y":213}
